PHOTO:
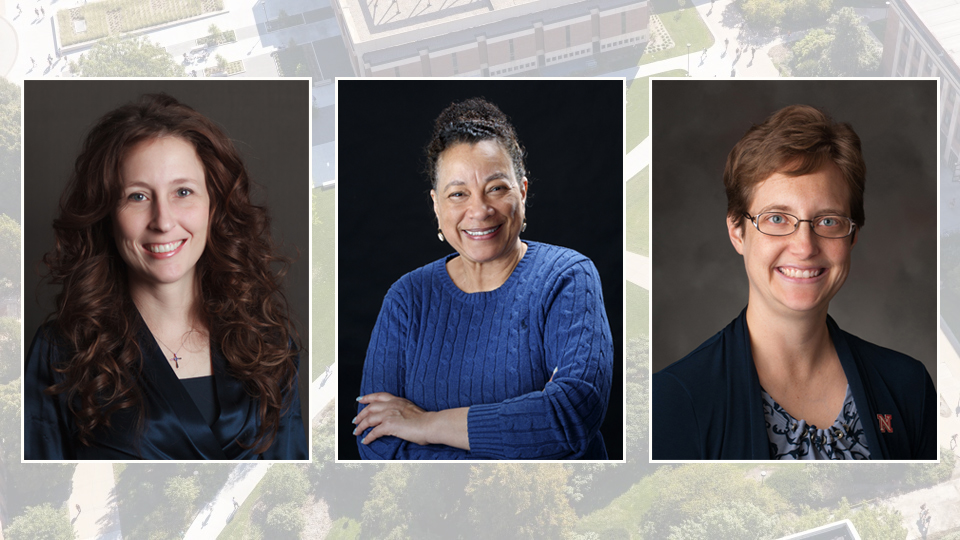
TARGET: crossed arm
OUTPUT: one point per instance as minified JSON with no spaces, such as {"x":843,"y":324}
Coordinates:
{"x":557,"y":418}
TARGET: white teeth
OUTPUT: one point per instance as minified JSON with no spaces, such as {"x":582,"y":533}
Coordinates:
{"x":795,"y":273}
{"x":164,"y":248}
{"x":481,"y":233}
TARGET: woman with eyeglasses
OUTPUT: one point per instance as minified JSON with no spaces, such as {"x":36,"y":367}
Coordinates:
{"x":783,"y":381}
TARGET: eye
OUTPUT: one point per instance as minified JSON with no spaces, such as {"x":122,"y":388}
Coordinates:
{"x":829,"y":221}
{"x":183,"y":192}
{"x":775,"y":219}
{"x":137,"y":197}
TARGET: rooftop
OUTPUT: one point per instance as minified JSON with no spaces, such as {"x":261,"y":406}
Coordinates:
{"x":370,"y":20}
{"x":942,"y":19}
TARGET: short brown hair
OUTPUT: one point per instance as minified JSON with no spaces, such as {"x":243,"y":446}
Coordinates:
{"x":796,"y":140}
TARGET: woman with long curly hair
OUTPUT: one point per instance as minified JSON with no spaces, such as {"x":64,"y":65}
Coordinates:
{"x":171,"y":337}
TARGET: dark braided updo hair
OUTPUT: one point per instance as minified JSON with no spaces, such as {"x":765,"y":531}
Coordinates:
{"x":471,"y":121}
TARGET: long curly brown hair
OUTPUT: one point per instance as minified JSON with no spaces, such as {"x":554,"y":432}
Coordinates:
{"x":240,"y":298}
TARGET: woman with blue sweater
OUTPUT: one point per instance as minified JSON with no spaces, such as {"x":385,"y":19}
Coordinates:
{"x":501,"y":350}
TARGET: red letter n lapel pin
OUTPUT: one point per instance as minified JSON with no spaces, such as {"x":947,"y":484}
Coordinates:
{"x":885,"y":423}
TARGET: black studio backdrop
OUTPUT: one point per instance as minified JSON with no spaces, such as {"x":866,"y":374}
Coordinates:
{"x":573,"y":133}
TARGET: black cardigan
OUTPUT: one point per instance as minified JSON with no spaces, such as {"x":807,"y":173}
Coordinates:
{"x":707,"y":406}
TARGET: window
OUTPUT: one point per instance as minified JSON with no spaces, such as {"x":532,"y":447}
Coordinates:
{"x":623,"y":22}
{"x":568,"y":35}
{"x":453,"y":60}
{"x":511,"y":50}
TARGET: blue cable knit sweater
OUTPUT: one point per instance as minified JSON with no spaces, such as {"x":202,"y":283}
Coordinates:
{"x":494,"y":352}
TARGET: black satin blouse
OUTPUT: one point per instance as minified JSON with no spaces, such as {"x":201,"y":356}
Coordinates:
{"x":173,"y":427}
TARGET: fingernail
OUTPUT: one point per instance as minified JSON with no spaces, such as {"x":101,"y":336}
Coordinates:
{"x":359,"y":398}
{"x":363,"y":440}
{"x":354,"y":432}
{"x":354,"y":421}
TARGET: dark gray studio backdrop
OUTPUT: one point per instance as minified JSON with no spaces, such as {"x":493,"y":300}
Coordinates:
{"x":573,"y":133}
{"x":699,"y":283}
{"x":267,"y":120}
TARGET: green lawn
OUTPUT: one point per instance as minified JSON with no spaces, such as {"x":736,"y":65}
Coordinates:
{"x":638,"y":312}
{"x":684,"y":27}
{"x":624,"y":514}
{"x":240,"y":527}
{"x":324,"y":266}
{"x":344,"y":529}
{"x":638,"y":101}
{"x":638,"y":213}
{"x":127,"y":16}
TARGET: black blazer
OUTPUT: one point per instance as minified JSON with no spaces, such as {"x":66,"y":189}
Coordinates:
{"x":173,"y":426}
{"x":707,"y":406}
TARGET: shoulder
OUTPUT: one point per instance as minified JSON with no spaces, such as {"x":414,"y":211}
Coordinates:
{"x":546,"y":263}
{"x":893,"y":365}
{"x":698,"y":371}
{"x":47,"y":343}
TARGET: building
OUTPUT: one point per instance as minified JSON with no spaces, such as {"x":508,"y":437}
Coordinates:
{"x":922,"y":39}
{"x":437,"y":38}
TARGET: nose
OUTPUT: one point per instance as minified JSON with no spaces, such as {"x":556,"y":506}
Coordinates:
{"x":480,"y":208}
{"x":163,"y":219}
{"x":803,"y":242}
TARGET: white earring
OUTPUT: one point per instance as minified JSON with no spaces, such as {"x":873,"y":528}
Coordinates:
{"x":440,"y":235}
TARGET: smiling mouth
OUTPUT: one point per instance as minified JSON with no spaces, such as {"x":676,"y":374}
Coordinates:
{"x":163,"y":248}
{"x":483,"y":232}
{"x":797,"y":273}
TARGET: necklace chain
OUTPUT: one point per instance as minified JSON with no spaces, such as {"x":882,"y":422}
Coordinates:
{"x":176,"y":359}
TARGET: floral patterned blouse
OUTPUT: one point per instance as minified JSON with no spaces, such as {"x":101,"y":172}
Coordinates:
{"x":796,"y":439}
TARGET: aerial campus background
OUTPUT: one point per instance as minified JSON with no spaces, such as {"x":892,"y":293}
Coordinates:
{"x":325,"y":39}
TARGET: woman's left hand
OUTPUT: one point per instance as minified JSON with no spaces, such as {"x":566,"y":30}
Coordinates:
{"x":388,"y":414}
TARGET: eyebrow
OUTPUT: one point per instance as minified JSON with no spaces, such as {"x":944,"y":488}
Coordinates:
{"x":821,"y":212}
{"x":175,"y":181}
{"x":495,"y":176}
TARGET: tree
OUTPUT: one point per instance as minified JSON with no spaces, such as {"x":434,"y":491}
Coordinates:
{"x":9,"y":153}
{"x":872,"y":521}
{"x":181,"y":492}
{"x":41,"y":522}
{"x":134,"y":57}
{"x":920,"y":475}
{"x":10,"y":349}
{"x":216,"y":35}
{"x":843,"y":49}
{"x":810,"y":54}
{"x":530,"y":501}
{"x":384,"y":514}
{"x":690,"y":492}
{"x":763,"y":14}
{"x":285,"y":521}
{"x":733,"y":519}
{"x":285,"y":483}
{"x":10,"y":248}
{"x":853,"y":52}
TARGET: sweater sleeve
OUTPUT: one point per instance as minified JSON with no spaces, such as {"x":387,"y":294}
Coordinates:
{"x":383,"y":372}
{"x":562,"y":420}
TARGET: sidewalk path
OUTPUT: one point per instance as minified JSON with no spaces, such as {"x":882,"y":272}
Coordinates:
{"x":216,"y":514}
{"x":322,"y":391}
{"x":637,"y":269}
{"x":637,"y":159}
{"x":93,"y":490}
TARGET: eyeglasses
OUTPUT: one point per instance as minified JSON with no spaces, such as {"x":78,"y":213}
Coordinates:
{"x":780,"y":224}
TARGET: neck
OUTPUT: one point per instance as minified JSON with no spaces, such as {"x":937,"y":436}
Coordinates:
{"x":474,"y":277}
{"x":165,"y":306}
{"x":795,"y":347}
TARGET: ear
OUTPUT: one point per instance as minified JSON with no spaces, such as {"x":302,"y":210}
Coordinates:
{"x":735,"y":233}
{"x":436,"y":211}
{"x":523,"y":190}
